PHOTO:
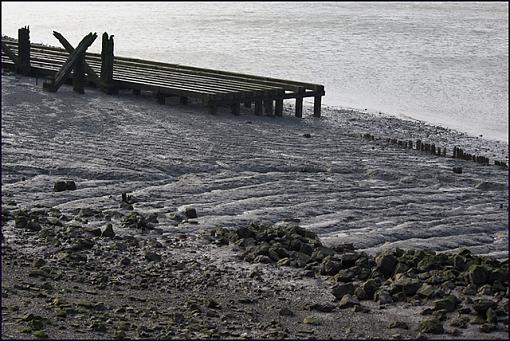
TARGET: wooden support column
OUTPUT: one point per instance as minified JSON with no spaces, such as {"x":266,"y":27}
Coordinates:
{"x":77,"y":55}
{"x":236,"y":108}
{"x":23,"y":66}
{"x":299,"y":103}
{"x":258,"y":107}
{"x":161,"y":98}
{"x":317,"y":106}
{"x":317,"y":102}
{"x":107,"y":65}
{"x":247,"y":104}
{"x":268,"y":106}
{"x":213,"y":107}
{"x":278,"y":103}
{"x":79,"y":75}
{"x":183,"y":100}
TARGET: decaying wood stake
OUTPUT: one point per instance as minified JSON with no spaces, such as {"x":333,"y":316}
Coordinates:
{"x":317,"y":102}
{"x":213,"y":108}
{"x":161,"y":98}
{"x":23,"y":65}
{"x":236,"y":108}
{"x":299,"y":103}
{"x":268,"y":106}
{"x":107,"y":64}
{"x":79,"y":75}
{"x":258,"y":107}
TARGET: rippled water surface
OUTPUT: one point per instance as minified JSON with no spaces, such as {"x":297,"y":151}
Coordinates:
{"x":445,"y":63}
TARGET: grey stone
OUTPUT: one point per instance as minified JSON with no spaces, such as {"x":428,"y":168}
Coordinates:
{"x":382,"y":296}
{"x":488,"y":328}
{"x":398,"y":325}
{"x":323,"y":307}
{"x":108,"y":231}
{"x":262,"y":259}
{"x":285,"y":312}
{"x":152,"y":256}
{"x":61,"y":186}
{"x":330,"y":266}
{"x":386,"y":264}
{"x":348,"y":301}
{"x":431,"y":326}
{"x":478,"y":274}
{"x":190,"y":213}
{"x":341,"y":289}
{"x":448,"y":303}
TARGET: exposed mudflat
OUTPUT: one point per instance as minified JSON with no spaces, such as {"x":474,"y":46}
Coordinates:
{"x":233,"y":170}
{"x":238,"y":169}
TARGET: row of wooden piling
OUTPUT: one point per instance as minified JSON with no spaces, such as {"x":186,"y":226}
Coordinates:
{"x":458,"y":153}
{"x":430,"y":148}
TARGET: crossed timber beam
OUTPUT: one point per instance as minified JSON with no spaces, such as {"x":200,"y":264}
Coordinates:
{"x":69,"y":48}
{"x":75,"y":60}
{"x":9,"y":53}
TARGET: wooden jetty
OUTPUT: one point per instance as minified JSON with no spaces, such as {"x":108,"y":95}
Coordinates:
{"x":113,"y":73}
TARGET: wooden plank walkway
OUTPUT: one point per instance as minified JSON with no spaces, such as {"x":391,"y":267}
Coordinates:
{"x":213,"y":87}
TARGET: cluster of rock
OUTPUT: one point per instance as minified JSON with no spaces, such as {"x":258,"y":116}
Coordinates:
{"x":474,"y":287}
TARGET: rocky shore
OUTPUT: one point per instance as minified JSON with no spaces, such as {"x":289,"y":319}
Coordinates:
{"x":71,"y":275}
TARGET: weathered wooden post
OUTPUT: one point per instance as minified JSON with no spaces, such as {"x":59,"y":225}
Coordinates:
{"x":79,"y":75}
{"x":23,"y":66}
{"x":258,"y":107}
{"x":213,"y":107}
{"x":107,"y":65}
{"x":235,"y":107}
{"x":278,"y":103}
{"x":268,"y":106}
{"x":161,"y":98}
{"x":317,"y":102}
{"x":299,"y":102}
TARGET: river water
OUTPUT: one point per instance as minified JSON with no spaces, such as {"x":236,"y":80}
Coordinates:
{"x":443,"y":63}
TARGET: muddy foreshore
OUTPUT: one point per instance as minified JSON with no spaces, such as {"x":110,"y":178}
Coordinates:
{"x":63,"y":279}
